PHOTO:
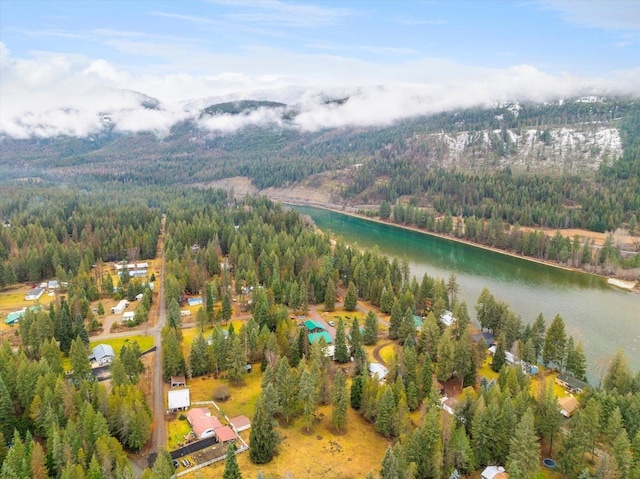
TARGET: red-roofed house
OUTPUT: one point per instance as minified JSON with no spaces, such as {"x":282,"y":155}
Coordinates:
{"x":203,"y":423}
{"x":225,"y":434}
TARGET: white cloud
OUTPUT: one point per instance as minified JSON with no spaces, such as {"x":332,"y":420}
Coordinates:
{"x":53,"y":94}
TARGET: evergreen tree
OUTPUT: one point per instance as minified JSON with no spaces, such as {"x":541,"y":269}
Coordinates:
{"x":80,"y":331}
{"x":390,"y":468}
{"x":199,"y":360}
{"x":79,"y":359}
{"x":555,"y":343}
{"x":499,"y":357}
{"x":357,"y":385}
{"x":7,"y":412}
{"x":548,"y":418}
{"x":237,"y":360}
{"x":524,"y":450}
{"x":201,"y":319}
{"x":340,"y":402}
{"x":308,"y":396}
{"x":370,"y":333}
{"x":355,"y":336}
{"x":445,"y":366}
{"x":163,"y":466}
{"x":263,"y":438}
{"x":538,"y":331}
{"x":330,"y":296}
{"x":231,"y":468}
{"x":173,"y":363}
{"x":351,"y":298}
{"x":459,"y":453}
{"x":174,"y":319}
{"x":66,"y":327}
{"x":227,"y":309}
{"x":618,"y":376}
{"x":395,"y":321}
{"x":341,"y":351}
{"x":386,"y":420}
{"x":100,"y":309}
{"x":209,"y":301}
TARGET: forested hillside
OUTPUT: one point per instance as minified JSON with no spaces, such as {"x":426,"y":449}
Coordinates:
{"x":568,"y":164}
{"x":66,"y":424}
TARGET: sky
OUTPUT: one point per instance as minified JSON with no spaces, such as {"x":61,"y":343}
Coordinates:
{"x":64,"y":64}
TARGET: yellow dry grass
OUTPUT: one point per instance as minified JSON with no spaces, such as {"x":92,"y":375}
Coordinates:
{"x":176,"y":430}
{"x":388,"y":352}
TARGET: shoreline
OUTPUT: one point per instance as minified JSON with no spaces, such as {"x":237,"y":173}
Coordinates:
{"x":623,"y":284}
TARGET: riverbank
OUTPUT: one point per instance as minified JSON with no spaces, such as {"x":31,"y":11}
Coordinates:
{"x":619,"y":282}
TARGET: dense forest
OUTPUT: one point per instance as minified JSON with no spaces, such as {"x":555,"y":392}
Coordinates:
{"x":68,"y":425}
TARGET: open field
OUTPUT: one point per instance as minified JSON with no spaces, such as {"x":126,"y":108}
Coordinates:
{"x":145,"y":342}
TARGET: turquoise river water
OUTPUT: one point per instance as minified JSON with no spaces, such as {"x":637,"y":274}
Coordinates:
{"x":603,"y":317}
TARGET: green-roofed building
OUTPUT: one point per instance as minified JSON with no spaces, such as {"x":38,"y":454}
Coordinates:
{"x":314,"y":326}
{"x":315,"y":337}
{"x":13,"y":318}
{"x":418,"y":322}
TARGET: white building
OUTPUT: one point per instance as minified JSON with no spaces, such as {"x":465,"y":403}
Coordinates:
{"x":128,"y":316}
{"x":34,"y":294}
{"x":179,"y":400}
{"x":120,"y":307}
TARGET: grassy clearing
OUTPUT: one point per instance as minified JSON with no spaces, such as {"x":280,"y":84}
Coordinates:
{"x":176,"y":430}
{"x":388,"y":352}
{"x":145,"y":342}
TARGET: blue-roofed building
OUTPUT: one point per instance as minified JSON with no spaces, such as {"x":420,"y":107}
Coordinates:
{"x":194,"y":301}
{"x":103,"y":354}
{"x":314,"y":326}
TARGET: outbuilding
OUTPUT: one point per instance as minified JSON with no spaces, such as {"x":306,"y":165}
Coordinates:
{"x":128,"y":316}
{"x":240,"y":423}
{"x":179,"y":400}
{"x":34,"y":294}
{"x":120,"y":307}
{"x":178,"y":381}
{"x":225,"y":434}
{"x":494,"y":472}
{"x":568,"y":405}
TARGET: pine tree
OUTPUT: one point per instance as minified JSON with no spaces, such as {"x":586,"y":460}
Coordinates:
{"x":395,"y":321}
{"x":79,"y":360}
{"x":387,"y":413}
{"x":231,"y":468}
{"x":163,"y":466}
{"x":499,"y":357}
{"x":227,"y":310}
{"x":237,"y":360}
{"x":341,"y":351}
{"x":548,"y":418}
{"x":370,"y":333}
{"x":308,"y":396}
{"x":100,"y":309}
{"x":555,"y":343}
{"x":209,"y":301}
{"x":263,"y":438}
{"x":173,"y":363}
{"x":340,"y":402}
{"x":199,"y":360}
{"x":445,"y":366}
{"x":330,"y":296}
{"x":390,"y":468}
{"x":351,"y":298}
{"x":7,"y":412}
{"x":357,"y":385}
{"x":524,"y":450}
{"x":174,"y":319}
{"x":355,"y":336}
{"x":66,"y":327}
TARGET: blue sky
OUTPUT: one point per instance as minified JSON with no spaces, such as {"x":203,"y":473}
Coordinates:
{"x":463,"y":52}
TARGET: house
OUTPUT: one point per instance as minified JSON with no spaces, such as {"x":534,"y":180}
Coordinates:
{"x":571,"y":384}
{"x":417,"y":320}
{"x":494,"y":472}
{"x":138,"y":273}
{"x":142,"y":265}
{"x":185,"y":312}
{"x":179,"y":400}
{"x":139,"y":296}
{"x":177,"y":381}
{"x":568,"y":405}
{"x":34,"y":294}
{"x":225,"y":434}
{"x":240,"y":423}
{"x":512,"y":360}
{"x":103,"y":354}
{"x":203,"y":423}
{"x":128,"y":316}
{"x":53,"y":284}
{"x":13,"y":318}
{"x":120,"y":307}
{"x":314,"y":326}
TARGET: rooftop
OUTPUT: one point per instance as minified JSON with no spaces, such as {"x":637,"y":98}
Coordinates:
{"x":314,"y":337}
{"x":201,"y":420}
{"x":225,"y":433}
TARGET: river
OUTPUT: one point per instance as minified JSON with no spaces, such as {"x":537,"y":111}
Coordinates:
{"x":603,"y":317}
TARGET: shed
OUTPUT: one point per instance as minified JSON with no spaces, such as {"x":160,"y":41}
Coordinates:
{"x":34,"y":294}
{"x":179,"y":400}
{"x":53,"y":284}
{"x":203,"y":423}
{"x":494,"y":472}
{"x":240,"y":423}
{"x":103,"y":354}
{"x":568,"y":405}
{"x":128,"y":316}
{"x":225,"y":434}
{"x":177,"y":381}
